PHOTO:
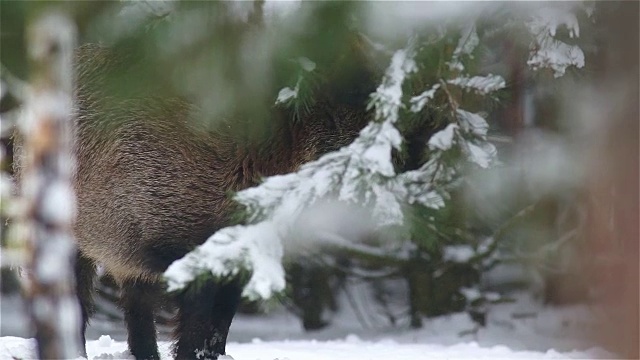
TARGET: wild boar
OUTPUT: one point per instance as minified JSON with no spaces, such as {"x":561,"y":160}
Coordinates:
{"x":152,"y":184}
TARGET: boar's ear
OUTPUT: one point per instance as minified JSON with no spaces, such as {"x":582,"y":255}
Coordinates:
{"x":373,"y":56}
{"x":354,"y":75}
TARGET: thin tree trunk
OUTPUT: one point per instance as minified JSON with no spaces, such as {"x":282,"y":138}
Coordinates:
{"x":46,"y":186}
{"x":613,"y":180}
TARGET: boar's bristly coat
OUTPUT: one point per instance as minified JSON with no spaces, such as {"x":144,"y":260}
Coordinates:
{"x":152,"y":184}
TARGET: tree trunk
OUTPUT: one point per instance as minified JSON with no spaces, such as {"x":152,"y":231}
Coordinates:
{"x":46,"y":185}
{"x":613,"y":181}
{"x":418,"y":278}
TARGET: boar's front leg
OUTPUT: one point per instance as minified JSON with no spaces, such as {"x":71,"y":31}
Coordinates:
{"x":139,"y":301}
{"x":85,"y":271}
{"x":204,"y":317}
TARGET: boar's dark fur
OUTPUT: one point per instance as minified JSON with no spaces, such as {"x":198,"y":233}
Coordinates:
{"x":152,"y":184}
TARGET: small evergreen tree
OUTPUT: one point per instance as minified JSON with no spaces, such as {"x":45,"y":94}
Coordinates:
{"x":436,"y":109}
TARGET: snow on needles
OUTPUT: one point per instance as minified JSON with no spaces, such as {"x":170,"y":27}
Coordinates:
{"x":233,"y":250}
{"x":443,"y":140}
{"x":480,"y":84}
{"x":418,"y":102}
{"x":467,"y":43}
{"x":287,"y":94}
{"x":546,"y":50}
{"x":479,"y":150}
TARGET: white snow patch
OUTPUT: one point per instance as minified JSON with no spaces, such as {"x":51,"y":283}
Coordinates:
{"x":348,"y":349}
{"x":458,"y":253}
{"x":226,"y":253}
{"x":443,"y":139}
{"x":352,"y":339}
{"x":387,"y":99}
{"x":483,"y":155}
{"x":523,"y":329}
{"x":418,"y":102}
{"x":546,"y":50}
{"x":287,"y":94}
{"x":473,"y":123}
{"x":471,"y":294}
{"x":467,"y":43}
{"x":480,"y":84}
{"x":105,"y":341}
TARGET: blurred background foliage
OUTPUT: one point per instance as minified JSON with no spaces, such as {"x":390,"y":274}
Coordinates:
{"x":232,"y":59}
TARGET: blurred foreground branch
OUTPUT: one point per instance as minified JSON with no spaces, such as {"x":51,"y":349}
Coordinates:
{"x":47,"y":189}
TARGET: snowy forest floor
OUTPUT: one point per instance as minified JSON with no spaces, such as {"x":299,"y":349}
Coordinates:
{"x":519,"y":330}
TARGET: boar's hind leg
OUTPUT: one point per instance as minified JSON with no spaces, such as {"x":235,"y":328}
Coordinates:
{"x":85,"y":271}
{"x":139,"y":300}
{"x":204,"y":317}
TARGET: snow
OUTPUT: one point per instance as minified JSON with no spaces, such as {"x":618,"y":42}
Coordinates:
{"x":519,"y":330}
{"x":443,"y":139}
{"x":230,"y":251}
{"x":387,"y":209}
{"x":467,"y":43}
{"x":287,"y":94}
{"x":480,"y":84}
{"x":387,"y":99}
{"x":458,"y":253}
{"x":547,"y":51}
{"x":349,"y":348}
{"x":473,"y":123}
{"x":418,"y":102}
{"x":557,"y":56}
{"x":478,"y":151}
{"x":550,"y":18}
{"x":377,"y":156}
{"x":483,"y":155}
{"x":105,"y":341}
{"x":471,"y":294}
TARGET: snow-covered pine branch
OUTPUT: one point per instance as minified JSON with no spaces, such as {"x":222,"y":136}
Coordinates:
{"x":358,"y":172}
{"x":418,"y":102}
{"x":467,"y":43}
{"x":482,"y":85}
{"x":546,"y":50}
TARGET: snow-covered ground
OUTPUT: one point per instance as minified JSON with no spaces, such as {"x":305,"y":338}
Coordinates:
{"x":519,"y":330}
{"x":350,"y":348}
